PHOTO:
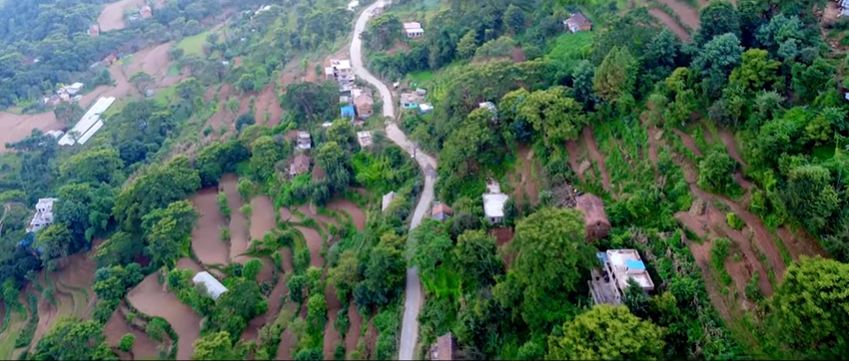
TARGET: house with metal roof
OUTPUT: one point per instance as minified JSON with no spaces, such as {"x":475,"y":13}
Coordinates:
{"x":213,"y":287}
{"x":609,"y":282}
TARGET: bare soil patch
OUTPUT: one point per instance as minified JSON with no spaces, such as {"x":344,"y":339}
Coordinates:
{"x":526,"y":183}
{"x":689,"y":142}
{"x":314,"y":242}
{"x":19,"y":126}
{"x":668,"y":21}
{"x":331,"y":334}
{"x":688,"y":15}
{"x":238,"y":223}
{"x":155,"y":62}
{"x":144,"y":348}
{"x":800,"y":243}
{"x":72,"y":293}
{"x":112,"y":15}
{"x":351,"y":209}
{"x":574,"y":151}
{"x":206,"y":236}
{"x":596,"y":155}
{"x":152,"y":299}
{"x":352,"y":337}
{"x":262,"y":217}
{"x":286,"y":260}
{"x":371,"y":338}
{"x":287,"y":342}
{"x":268,"y":110}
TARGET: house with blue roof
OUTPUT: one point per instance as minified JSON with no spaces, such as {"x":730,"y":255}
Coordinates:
{"x":617,"y":267}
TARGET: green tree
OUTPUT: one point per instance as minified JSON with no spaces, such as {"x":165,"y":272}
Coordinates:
{"x":86,"y":210}
{"x":432,"y":248}
{"x":810,"y":304}
{"x":94,"y":165}
{"x":343,"y":133}
{"x":53,"y":242}
{"x":550,"y":112}
{"x":582,"y":82}
{"x":514,"y":18}
{"x":718,"y":18}
{"x":265,"y":153}
{"x":716,"y":171}
{"x":476,"y":254}
{"x":168,"y":232}
{"x":73,"y":339}
{"x":336,"y":164}
{"x":215,"y":346}
{"x":606,"y":333}
{"x":616,"y":75}
{"x":126,"y":342}
{"x":551,"y":260}
{"x":810,"y":197}
{"x":467,"y":45}
{"x":383,"y":276}
{"x":715,"y":62}
{"x":757,"y":72}
{"x":809,"y":81}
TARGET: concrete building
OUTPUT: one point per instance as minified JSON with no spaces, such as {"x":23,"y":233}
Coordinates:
{"x":353,"y":5}
{"x":413,"y":30}
{"x":609,"y":282}
{"x":494,"y":203}
{"x":43,"y":216}
{"x":364,"y":104}
{"x":410,"y":100}
{"x":213,"y":287}
{"x":303,"y":141}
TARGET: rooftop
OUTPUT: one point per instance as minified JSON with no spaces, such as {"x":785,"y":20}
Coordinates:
{"x":89,"y":124}
{"x":364,"y":138}
{"x":627,"y":264}
{"x":413,"y":25}
{"x":213,"y":287}
{"x":493,"y":204}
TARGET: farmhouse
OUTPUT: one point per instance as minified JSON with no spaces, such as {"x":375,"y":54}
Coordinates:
{"x":494,"y":203}
{"x":578,"y":22}
{"x":608,"y":284}
{"x":595,"y":218}
{"x":410,"y":100}
{"x":445,"y":348}
{"x":441,"y":212}
{"x":413,"y":30}
{"x":364,"y":104}
{"x":303,"y":141}
{"x":43,"y":214}
{"x":300,"y":165}
{"x":89,"y":124}
{"x":213,"y":287}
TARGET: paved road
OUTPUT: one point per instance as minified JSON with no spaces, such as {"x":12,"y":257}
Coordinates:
{"x":413,"y":293}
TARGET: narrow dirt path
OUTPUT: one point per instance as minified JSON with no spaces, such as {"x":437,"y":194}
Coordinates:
{"x":668,"y":21}
{"x":596,"y":155}
{"x":688,"y":15}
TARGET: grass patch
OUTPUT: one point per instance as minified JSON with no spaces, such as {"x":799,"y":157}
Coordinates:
{"x":568,"y":49}
{"x":193,"y":45}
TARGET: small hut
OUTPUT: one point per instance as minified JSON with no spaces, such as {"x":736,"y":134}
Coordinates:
{"x":595,"y":219}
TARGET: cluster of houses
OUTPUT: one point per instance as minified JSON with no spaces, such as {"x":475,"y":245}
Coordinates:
{"x":415,"y":100}
{"x":65,"y":93}
{"x":355,"y":103}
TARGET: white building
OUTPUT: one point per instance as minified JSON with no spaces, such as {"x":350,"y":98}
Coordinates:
{"x":89,"y":124}
{"x":353,"y":5}
{"x":609,"y":283}
{"x":213,"y":287}
{"x":413,"y":30}
{"x":304,"y":141}
{"x":494,"y":203}
{"x":43,"y":214}
{"x":387,"y":201}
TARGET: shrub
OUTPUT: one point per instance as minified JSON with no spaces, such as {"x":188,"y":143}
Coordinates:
{"x":126,"y":343}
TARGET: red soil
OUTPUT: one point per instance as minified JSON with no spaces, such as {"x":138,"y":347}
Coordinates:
{"x":314,"y":243}
{"x":189,"y":264}
{"x":688,"y":15}
{"x":268,"y":105}
{"x":155,"y":62}
{"x":287,"y":342}
{"x":286,"y":257}
{"x":371,"y":338}
{"x":144,"y":347}
{"x":526,"y":188}
{"x":331,"y":335}
{"x":727,"y":138}
{"x":152,"y":299}
{"x":799,"y":243}
{"x":75,"y":277}
{"x":596,"y":155}
{"x":112,"y":16}
{"x":262,"y":217}
{"x":238,"y":223}
{"x":351,"y":209}
{"x":574,"y":151}
{"x":689,"y":142}
{"x":206,"y":237}
{"x":17,"y":127}
{"x":352,"y":337}
{"x":670,"y":23}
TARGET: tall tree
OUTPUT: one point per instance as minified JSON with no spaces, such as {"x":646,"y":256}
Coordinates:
{"x":719,"y":17}
{"x":606,"y":333}
{"x":551,"y":260}
{"x":73,"y":339}
{"x":811,"y":304}
{"x":616,"y":75}
{"x":716,"y":61}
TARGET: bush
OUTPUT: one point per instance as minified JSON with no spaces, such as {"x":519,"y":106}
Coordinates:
{"x":734,"y":221}
{"x":126,"y":343}
{"x":157,"y":328}
{"x":223,"y":206}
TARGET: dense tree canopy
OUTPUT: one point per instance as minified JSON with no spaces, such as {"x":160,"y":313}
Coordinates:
{"x":606,"y":333}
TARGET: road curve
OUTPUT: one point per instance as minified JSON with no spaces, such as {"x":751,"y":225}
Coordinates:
{"x":413,"y":292}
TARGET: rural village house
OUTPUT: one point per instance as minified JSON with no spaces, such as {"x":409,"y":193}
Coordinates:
{"x":441,"y":212}
{"x":413,"y":30}
{"x":303,"y":141}
{"x":595,"y":219}
{"x":364,"y":138}
{"x":43,"y":216}
{"x":494,"y":203}
{"x":608,"y":283}
{"x":578,"y":22}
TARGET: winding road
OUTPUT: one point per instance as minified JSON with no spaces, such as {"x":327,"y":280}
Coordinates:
{"x":413,"y":293}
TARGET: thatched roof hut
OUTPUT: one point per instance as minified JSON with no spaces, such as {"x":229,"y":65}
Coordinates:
{"x":595,"y":219}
